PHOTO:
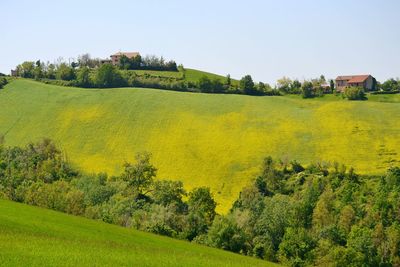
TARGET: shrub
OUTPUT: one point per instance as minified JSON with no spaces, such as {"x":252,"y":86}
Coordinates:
{"x":108,"y":76}
{"x":3,"y":81}
{"x":354,"y":93}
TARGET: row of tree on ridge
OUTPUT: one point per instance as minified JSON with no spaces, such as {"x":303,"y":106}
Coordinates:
{"x":89,"y":72}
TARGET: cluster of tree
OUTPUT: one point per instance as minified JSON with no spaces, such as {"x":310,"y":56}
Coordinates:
{"x":314,"y":216}
{"x":147,"y":63}
{"x":318,"y":215}
{"x":246,"y":86}
{"x":390,"y":85}
{"x":308,"y":89}
{"x":39,"y":175}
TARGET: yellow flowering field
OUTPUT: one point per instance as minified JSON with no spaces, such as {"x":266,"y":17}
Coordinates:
{"x":202,"y":139}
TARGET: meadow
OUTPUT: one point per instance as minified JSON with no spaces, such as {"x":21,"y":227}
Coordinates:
{"x":202,"y":139}
{"x":31,"y":236}
{"x":189,"y":75}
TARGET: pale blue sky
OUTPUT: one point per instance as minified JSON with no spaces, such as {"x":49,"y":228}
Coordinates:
{"x":267,"y":39}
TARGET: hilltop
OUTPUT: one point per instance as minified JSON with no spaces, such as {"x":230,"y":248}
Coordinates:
{"x":31,"y":236}
{"x":201,"y":139}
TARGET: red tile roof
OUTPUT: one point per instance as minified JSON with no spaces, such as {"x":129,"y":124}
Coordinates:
{"x":358,"y":79}
{"x":353,"y":78}
{"x":127,"y":54}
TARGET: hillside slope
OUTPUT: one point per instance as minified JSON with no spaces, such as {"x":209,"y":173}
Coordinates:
{"x":201,"y":139}
{"x":31,"y":236}
{"x":189,"y":75}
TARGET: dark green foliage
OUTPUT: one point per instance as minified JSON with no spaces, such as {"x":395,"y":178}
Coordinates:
{"x":296,"y":247}
{"x":3,"y":82}
{"x":390,"y":85}
{"x":65,"y":72}
{"x":39,"y":175}
{"x":206,"y":85}
{"x":307,"y":90}
{"x":168,"y":193}
{"x":247,"y":85}
{"x":300,"y":216}
{"x":108,"y":76}
{"x":146,"y":63}
{"x":226,"y":234}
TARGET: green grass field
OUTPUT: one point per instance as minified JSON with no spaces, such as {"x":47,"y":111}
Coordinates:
{"x":201,"y":139}
{"x":191,"y":75}
{"x":31,"y":236}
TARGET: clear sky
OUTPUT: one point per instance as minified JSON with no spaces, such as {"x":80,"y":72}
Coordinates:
{"x":267,"y":39}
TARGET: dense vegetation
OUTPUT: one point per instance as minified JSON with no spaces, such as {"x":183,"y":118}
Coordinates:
{"x":31,"y":236}
{"x":3,"y":81}
{"x":146,"y":63}
{"x":292,"y":214}
{"x":354,"y":93}
{"x":89,"y":72}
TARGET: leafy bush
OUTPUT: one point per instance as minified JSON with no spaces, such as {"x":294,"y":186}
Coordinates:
{"x":354,"y":93}
{"x":3,"y":82}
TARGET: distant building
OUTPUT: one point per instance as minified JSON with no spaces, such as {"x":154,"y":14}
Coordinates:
{"x":367,"y":82}
{"x":115,"y":57}
{"x":14,"y":73}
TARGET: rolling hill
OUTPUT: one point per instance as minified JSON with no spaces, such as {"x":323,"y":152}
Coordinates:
{"x":31,"y":236}
{"x":190,"y":75}
{"x":201,"y":139}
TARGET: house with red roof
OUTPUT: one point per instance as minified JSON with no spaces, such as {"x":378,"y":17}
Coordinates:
{"x":116,"y":57}
{"x":367,"y":82}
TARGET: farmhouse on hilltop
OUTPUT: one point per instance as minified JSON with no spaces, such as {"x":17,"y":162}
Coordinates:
{"x":367,"y":82}
{"x":115,"y":57}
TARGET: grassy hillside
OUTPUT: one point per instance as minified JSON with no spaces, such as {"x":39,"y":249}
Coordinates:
{"x":31,"y":236}
{"x":201,"y":139}
{"x":191,"y":75}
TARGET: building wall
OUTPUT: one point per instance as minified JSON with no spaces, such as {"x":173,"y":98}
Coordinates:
{"x":369,"y":83}
{"x":115,"y":59}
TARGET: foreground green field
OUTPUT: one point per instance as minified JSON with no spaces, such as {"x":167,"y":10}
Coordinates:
{"x":201,"y":139}
{"x":31,"y":236}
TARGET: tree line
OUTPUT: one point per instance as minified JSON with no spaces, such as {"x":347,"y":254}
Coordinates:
{"x":89,"y":72}
{"x":324,"y":215}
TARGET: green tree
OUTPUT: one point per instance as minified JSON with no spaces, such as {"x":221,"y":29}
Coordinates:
{"x":83,"y":77}
{"x":108,"y":76}
{"x":168,"y":193}
{"x":332,"y":85}
{"x":124,"y":63}
{"x":247,"y":85}
{"x":307,"y":90}
{"x":38,"y":71}
{"x":322,"y":215}
{"x":226,"y":234}
{"x":140,"y":175}
{"x":217,"y":86}
{"x":201,"y":212}
{"x":390,"y":85}
{"x":26,"y":69}
{"x":360,"y":239}
{"x":296,"y":247}
{"x":65,"y":72}
{"x":284,"y":84}
{"x":205,"y":84}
